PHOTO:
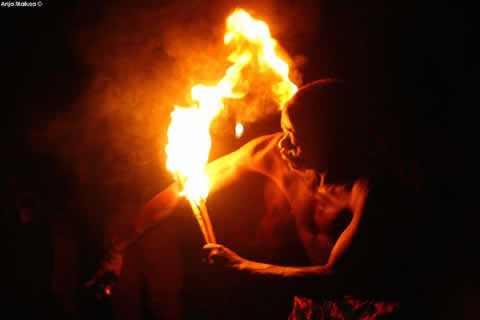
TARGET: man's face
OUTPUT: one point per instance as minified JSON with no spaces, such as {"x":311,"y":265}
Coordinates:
{"x":297,"y":146}
{"x":289,"y":144}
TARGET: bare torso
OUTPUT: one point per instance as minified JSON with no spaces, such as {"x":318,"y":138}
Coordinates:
{"x":319,"y":217}
{"x":321,"y":214}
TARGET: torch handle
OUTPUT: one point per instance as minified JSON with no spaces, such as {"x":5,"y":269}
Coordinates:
{"x":208,"y":223}
{"x":201,"y":222}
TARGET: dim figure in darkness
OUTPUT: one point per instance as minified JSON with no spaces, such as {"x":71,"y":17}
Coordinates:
{"x":351,"y":210}
{"x":30,"y":258}
{"x":41,"y":250}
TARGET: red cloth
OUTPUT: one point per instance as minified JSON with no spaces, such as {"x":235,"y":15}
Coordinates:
{"x":345,"y":308}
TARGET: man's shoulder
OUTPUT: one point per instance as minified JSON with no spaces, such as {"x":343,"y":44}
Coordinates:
{"x":251,"y":152}
{"x":262,"y":146}
{"x":264,"y":141}
{"x":258,"y":155}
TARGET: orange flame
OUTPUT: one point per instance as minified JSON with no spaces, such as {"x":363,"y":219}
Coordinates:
{"x":241,"y":27}
{"x":188,"y":135}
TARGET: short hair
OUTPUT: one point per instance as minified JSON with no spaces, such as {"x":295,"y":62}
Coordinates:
{"x":328,"y":104}
{"x":337,"y":116}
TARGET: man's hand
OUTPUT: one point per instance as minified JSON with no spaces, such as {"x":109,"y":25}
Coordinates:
{"x":229,"y":260}
{"x":106,"y":275}
{"x":222,"y":256}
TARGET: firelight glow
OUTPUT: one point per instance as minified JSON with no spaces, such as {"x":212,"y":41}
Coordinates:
{"x":189,"y":138}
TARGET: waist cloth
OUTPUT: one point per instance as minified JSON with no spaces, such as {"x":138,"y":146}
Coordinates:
{"x":342,"y":308}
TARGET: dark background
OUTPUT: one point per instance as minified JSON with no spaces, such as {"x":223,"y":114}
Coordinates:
{"x":87,"y":88}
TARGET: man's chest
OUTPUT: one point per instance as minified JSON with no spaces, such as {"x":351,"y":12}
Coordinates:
{"x":321,"y":221}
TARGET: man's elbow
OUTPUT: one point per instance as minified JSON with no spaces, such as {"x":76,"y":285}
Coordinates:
{"x":325,"y":271}
{"x":165,"y":200}
{"x":157,"y":209}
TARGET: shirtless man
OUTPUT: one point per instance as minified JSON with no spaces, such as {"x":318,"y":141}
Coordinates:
{"x":319,"y":166}
{"x":351,"y":211}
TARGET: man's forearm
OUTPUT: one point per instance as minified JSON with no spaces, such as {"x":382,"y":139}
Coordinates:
{"x":153,"y":212}
{"x":301,"y":281}
{"x":286,"y":272}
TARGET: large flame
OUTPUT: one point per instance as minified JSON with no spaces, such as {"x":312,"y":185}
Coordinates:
{"x":240,"y":28}
{"x":188,"y":135}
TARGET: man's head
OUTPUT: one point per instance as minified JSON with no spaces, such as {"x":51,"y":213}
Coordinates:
{"x":319,"y":127}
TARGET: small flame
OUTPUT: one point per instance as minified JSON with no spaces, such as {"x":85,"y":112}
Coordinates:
{"x":189,"y":139}
{"x":238,"y":130}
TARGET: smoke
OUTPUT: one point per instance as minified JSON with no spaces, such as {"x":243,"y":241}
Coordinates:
{"x":140,"y":63}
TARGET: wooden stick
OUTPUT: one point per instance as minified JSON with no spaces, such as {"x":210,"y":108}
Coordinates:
{"x":206,"y":218}
{"x":201,"y":222}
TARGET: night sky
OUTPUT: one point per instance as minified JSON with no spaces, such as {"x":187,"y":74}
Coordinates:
{"x":88,"y":86}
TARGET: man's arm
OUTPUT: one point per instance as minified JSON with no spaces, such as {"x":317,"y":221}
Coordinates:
{"x":220,"y":172}
{"x":219,"y":254}
{"x":325,"y":276}
{"x":302,"y":280}
{"x":154,"y":211}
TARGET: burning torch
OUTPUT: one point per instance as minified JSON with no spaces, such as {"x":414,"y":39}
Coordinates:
{"x":187,"y":155}
{"x":189,"y":138}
